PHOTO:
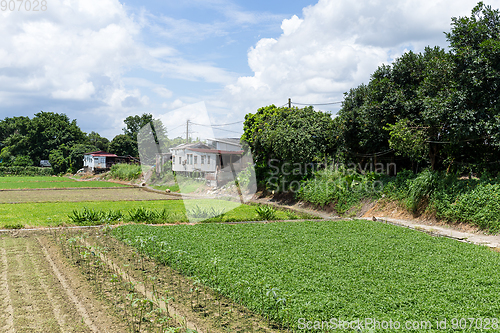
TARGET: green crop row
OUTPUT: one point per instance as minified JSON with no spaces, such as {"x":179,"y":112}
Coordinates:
{"x":320,"y":270}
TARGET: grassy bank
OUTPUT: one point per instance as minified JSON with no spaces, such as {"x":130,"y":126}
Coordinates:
{"x":47,"y":214}
{"x":445,"y":196}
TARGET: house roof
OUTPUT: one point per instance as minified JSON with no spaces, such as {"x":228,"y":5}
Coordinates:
{"x":101,"y":153}
{"x":215,"y":151}
{"x":231,"y":141}
{"x":191,"y":145}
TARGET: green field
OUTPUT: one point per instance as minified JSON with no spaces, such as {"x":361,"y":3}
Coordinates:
{"x":331,"y":269}
{"x":50,"y":182}
{"x":44,"y":214}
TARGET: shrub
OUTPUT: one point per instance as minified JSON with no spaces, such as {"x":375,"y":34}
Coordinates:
{"x":88,"y":216}
{"x":25,"y":171}
{"x":205,"y":213}
{"x":266,"y":212}
{"x":480,"y":207}
{"x":126,"y":171}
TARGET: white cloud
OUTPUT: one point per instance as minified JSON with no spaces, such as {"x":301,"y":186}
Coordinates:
{"x":79,"y":51}
{"x":335,"y":46}
{"x":291,"y":25}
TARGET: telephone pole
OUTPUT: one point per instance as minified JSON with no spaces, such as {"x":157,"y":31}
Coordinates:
{"x":187,"y":131}
{"x":289,"y":103}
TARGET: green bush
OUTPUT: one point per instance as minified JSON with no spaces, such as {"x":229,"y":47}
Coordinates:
{"x":266,"y":212}
{"x":341,"y":187}
{"x":126,"y":171}
{"x":206,"y":212}
{"x":25,"y":171}
{"x":480,"y":207}
{"x":88,"y":216}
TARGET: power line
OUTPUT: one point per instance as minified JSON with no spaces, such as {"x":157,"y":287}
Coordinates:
{"x":316,"y":103}
{"x":236,"y":122}
{"x":219,"y":129}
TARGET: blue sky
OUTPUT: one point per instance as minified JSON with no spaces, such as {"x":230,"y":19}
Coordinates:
{"x":209,"y":61}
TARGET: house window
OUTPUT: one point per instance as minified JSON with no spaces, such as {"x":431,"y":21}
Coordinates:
{"x":203,"y":159}
{"x":180,"y":160}
{"x":173,"y":159}
{"x":208,"y":159}
{"x":196,"y":160}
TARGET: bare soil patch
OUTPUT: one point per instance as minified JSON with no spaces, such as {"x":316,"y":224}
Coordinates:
{"x":78,"y":195}
{"x":40,"y":293}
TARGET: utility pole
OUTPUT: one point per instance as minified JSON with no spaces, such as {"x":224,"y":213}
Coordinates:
{"x":289,"y":103}
{"x":187,"y":131}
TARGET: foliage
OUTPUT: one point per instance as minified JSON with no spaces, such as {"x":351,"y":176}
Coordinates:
{"x":89,"y":216}
{"x":14,"y":226}
{"x":329,"y":269}
{"x":125,"y":171}
{"x":48,"y":130}
{"x":342,"y":187}
{"x":473,"y":201}
{"x":408,"y":140}
{"x":96,"y":140}
{"x":135,"y":123}
{"x":25,"y":171}
{"x":123,"y":145}
{"x":479,"y":207}
{"x":199,"y":212}
{"x":436,"y":108}
{"x":266,"y":212}
{"x":289,"y":135}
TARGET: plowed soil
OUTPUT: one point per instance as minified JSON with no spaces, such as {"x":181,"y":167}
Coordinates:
{"x":39,"y":292}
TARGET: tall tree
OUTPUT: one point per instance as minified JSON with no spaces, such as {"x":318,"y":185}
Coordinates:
{"x":135,"y":123}
{"x":48,"y":130}
{"x":123,"y":145}
{"x":95,"y":139}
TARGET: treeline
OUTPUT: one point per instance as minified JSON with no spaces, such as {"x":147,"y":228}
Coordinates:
{"x":24,"y":142}
{"x":437,"y":109}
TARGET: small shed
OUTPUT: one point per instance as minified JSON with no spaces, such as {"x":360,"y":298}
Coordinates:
{"x":99,"y":161}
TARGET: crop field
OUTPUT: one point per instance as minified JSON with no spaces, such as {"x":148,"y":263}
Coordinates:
{"x":79,"y":195}
{"x":330,"y":269}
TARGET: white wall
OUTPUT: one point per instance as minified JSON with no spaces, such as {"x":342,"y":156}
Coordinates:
{"x":190,"y":164}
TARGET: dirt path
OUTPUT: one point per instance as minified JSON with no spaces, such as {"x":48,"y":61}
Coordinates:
{"x":38,"y":292}
{"x":7,"y":312}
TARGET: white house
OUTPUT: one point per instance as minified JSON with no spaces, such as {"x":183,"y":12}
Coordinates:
{"x":98,"y":160}
{"x":208,"y":160}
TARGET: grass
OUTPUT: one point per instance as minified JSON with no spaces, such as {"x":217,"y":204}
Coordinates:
{"x":331,"y":269}
{"x":56,"y":213}
{"x":27,"y":179}
{"x":173,"y":188}
{"x":50,"y":182}
{"x":126,"y":171}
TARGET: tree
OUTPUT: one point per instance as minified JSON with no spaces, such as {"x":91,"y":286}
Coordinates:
{"x":290,"y":136}
{"x":48,"y":131}
{"x":75,"y":155}
{"x":123,"y":145}
{"x":13,"y":139}
{"x":58,"y":159}
{"x":135,"y":123}
{"x":96,"y":140}
{"x":151,"y":140}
